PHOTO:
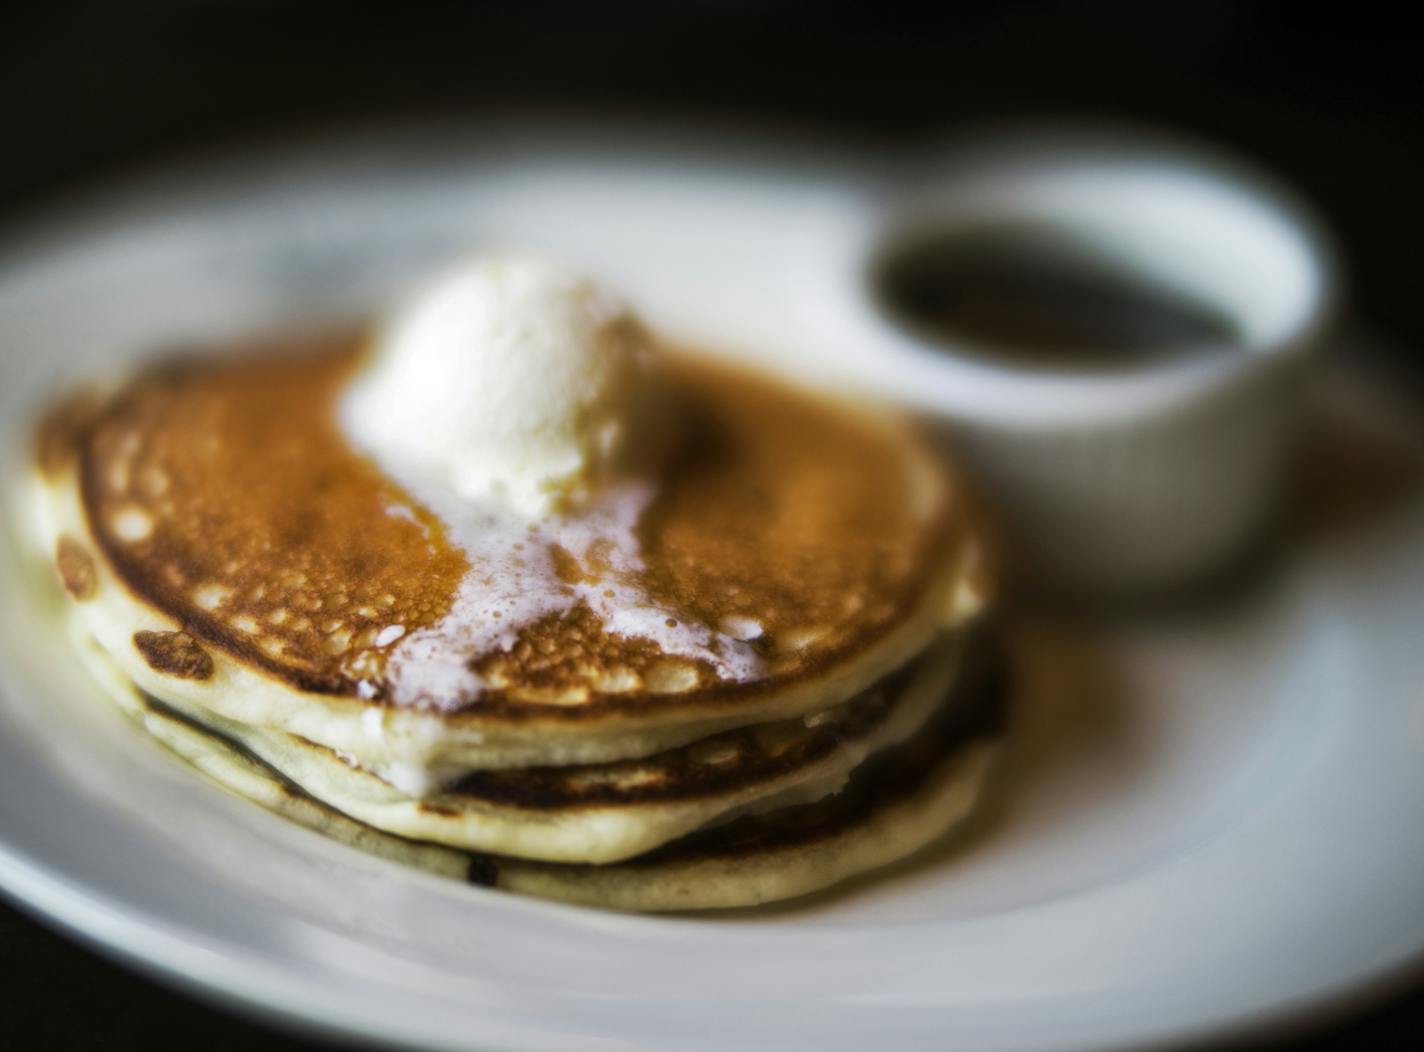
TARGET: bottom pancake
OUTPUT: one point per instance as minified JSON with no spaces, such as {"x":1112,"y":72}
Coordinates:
{"x":776,"y":855}
{"x":899,"y":801}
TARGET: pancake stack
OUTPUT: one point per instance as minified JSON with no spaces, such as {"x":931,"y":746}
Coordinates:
{"x":744,"y":677}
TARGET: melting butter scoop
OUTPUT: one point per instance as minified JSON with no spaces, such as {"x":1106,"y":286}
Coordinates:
{"x":509,"y":378}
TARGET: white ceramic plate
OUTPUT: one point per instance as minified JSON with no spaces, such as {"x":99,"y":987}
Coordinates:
{"x":1208,"y":823}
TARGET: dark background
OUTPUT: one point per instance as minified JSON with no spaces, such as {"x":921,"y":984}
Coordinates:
{"x":1329,"y":96}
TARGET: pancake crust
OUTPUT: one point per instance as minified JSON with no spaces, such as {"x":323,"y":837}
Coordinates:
{"x":223,"y":494}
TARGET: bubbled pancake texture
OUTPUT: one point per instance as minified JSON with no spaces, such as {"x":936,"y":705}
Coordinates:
{"x":225,"y":495}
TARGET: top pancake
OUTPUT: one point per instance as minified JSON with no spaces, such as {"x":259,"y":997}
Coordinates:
{"x":223,"y":499}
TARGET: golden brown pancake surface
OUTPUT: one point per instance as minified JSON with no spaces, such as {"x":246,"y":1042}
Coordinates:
{"x":223,"y":492}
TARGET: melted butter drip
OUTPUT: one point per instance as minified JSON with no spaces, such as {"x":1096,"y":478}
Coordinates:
{"x":522,"y":573}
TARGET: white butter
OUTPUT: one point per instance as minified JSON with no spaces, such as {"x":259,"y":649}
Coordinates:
{"x":507,"y":399}
{"x":508,"y":378}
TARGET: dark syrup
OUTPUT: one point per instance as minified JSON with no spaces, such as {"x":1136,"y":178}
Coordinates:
{"x":1039,"y":295}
